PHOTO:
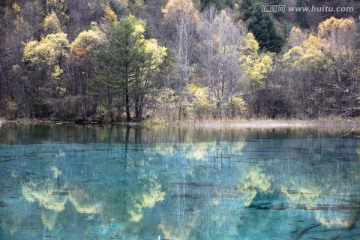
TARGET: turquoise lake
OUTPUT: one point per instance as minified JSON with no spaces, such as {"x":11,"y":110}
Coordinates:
{"x":101,"y":182}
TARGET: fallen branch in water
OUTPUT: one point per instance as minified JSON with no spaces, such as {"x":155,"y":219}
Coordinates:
{"x":300,"y":233}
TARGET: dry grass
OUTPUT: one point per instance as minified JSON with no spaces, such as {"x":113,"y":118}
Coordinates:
{"x":233,"y":123}
{"x":261,"y":123}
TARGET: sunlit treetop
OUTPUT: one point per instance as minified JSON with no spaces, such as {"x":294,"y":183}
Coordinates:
{"x":16,"y":8}
{"x":52,"y":23}
{"x":47,"y":51}
{"x":139,"y":28}
{"x":254,"y":65}
{"x":87,"y":41}
{"x":157,"y":53}
{"x":110,"y":15}
{"x":250,"y":46}
{"x":186,"y":8}
{"x":46,"y":54}
{"x":334,"y":26}
{"x":307,"y":56}
{"x":338,"y":35}
{"x":296,"y":37}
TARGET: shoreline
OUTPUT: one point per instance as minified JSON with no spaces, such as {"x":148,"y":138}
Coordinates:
{"x":237,"y":123}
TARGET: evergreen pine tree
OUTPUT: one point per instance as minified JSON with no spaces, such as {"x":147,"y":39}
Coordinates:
{"x":301,"y":16}
{"x":246,"y":9}
{"x":219,"y":4}
{"x":263,"y":28}
{"x":126,"y":65}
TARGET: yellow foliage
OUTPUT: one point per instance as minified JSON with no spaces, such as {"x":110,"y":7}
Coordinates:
{"x":297,"y":37}
{"x":334,"y":218}
{"x":155,"y":195}
{"x":52,"y":23}
{"x":338,"y":36}
{"x":254,"y":180}
{"x":310,"y":54}
{"x":184,"y":8}
{"x":193,"y":88}
{"x":146,"y":200}
{"x":81,"y":206}
{"x":57,"y":72}
{"x":255,"y":66}
{"x":87,"y":39}
{"x":47,"y":51}
{"x":201,"y":97}
{"x":16,"y":8}
{"x":49,"y":218}
{"x":310,"y":51}
{"x":110,"y":15}
{"x":238,"y":103}
{"x":135,"y":216}
{"x":333,"y":26}
{"x":156,"y":52}
{"x":250,"y":46}
{"x":56,"y":172}
{"x":138,"y":29}
{"x":42,"y":192}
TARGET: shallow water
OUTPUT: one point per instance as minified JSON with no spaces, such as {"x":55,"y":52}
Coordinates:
{"x":102,"y":182}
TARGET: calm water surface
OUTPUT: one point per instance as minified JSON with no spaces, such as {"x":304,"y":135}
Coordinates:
{"x":102,"y":182}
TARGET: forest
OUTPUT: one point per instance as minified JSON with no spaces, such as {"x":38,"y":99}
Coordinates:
{"x":134,"y":60}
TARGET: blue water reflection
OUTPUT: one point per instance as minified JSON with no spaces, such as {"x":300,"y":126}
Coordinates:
{"x":88,"y":182}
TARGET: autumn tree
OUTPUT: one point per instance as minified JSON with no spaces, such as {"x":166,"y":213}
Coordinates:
{"x":307,"y":64}
{"x":322,"y":69}
{"x":296,"y":37}
{"x":83,"y":50}
{"x":338,"y":37}
{"x":18,"y":23}
{"x":52,"y":24}
{"x":255,"y":67}
{"x":45,"y":59}
{"x":184,"y":18}
{"x":221,"y":38}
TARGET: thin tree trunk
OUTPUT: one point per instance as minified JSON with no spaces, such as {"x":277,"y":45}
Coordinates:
{"x":110,"y":106}
{"x":128,"y":117}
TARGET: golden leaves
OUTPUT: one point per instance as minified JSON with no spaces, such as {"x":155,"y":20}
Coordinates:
{"x":333,"y":26}
{"x":110,"y":15}
{"x":85,"y":42}
{"x":52,"y":23}
{"x":184,"y":9}
{"x":47,"y":52}
{"x":255,"y":65}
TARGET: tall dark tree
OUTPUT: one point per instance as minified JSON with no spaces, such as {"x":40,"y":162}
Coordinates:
{"x":127,"y":63}
{"x":118,"y":6}
{"x":301,"y":16}
{"x":263,"y":28}
{"x":246,"y":7}
{"x":277,"y":14}
{"x":118,"y":61}
{"x":219,"y":4}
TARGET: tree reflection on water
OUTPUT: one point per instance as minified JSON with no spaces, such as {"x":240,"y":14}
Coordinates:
{"x":177,"y":183}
